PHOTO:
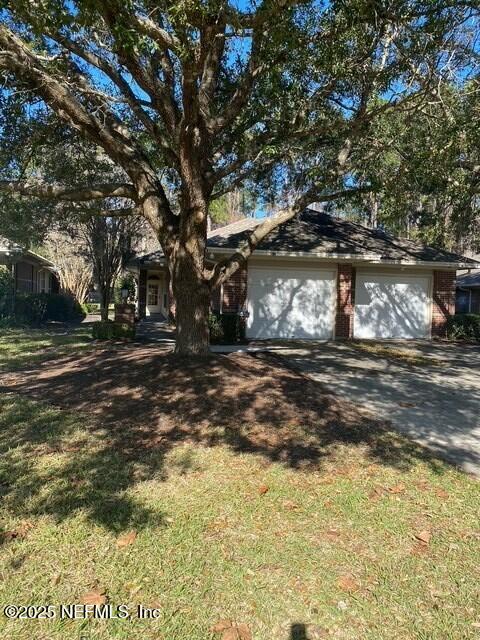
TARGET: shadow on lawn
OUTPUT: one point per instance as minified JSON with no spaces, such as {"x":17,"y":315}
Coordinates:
{"x":144,"y":401}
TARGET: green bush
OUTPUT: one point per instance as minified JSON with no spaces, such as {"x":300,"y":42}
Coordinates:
{"x":63,"y":308}
{"x":91,"y":307}
{"x":226,"y":328}
{"x":35,"y":308}
{"x":112,"y":331}
{"x":216,"y":329}
{"x":30,"y":308}
{"x":127,"y":282}
{"x":464,"y":326}
{"x":6,"y":292}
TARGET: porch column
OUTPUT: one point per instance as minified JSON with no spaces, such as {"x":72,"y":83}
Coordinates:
{"x":142,"y":293}
{"x":345,"y":302}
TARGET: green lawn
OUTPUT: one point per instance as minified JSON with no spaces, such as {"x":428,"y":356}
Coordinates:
{"x":23,"y":347}
{"x":339,"y":551}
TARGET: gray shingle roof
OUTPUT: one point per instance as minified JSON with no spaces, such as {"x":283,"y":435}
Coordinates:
{"x":318,"y":233}
{"x":469,"y":280}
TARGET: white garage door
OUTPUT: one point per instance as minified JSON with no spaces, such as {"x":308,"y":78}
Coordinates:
{"x":291,"y":303}
{"x":392,"y":306}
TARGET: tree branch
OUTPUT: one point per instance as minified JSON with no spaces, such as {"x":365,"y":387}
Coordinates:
{"x":225,"y":268}
{"x":70,"y":193}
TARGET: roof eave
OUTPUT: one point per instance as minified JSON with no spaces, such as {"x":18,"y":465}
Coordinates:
{"x":367,"y":258}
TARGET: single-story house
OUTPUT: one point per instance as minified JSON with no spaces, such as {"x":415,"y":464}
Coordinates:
{"x":320,"y":277}
{"x":468,"y":292}
{"x":31,"y":272}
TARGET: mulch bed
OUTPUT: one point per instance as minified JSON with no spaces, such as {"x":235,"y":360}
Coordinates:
{"x":145,"y":398}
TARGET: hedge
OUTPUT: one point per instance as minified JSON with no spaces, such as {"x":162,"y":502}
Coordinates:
{"x":110,"y":330}
{"x":35,"y":308}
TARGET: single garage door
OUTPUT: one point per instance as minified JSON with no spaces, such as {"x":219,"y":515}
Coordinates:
{"x":291,"y":303}
{"x":392,"y":306}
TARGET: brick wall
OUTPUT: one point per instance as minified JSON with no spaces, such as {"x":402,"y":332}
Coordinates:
{"x":443,"y":300}
{"x":235,"y":291}
{"x":345,"y":301}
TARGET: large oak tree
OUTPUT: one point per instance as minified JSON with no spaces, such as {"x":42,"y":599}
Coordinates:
{"x":191,"y":99}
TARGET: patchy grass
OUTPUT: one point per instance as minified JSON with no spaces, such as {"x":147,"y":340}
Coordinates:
{"x":230,"y":524}
{"x":404,"y":355}
{"x":22,"y":347}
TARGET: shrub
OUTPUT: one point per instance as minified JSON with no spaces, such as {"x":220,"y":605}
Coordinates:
{"x":6,"y":292}
{"x":91,"y":307}
{"x":35,"y":308}
{"x":464,"y":326}
{"x":226,"y":328}
{"x":127,"y":282}
{"x":30,"y":308}
{"x":63,"y":308}
{"x":216,"y":330}
{"x":112,"y":331}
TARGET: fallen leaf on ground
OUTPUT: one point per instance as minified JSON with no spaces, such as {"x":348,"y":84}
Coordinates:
{"x":347,"y":583}
{"x":398,"y":488}
{"x":262,"y":489}
{"x":221,"y":625}
{"x":126,"y":539}
{"x":20,"y":532}
{"x":424,"y":536}
{"x":289,"y":504}
{"x":94,"y":597}
{"x":237,"y":632}
{"x":231,"y":630}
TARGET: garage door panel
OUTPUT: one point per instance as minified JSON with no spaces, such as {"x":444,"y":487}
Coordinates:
{"x":290,"y":303}
{"x":392,"y":306}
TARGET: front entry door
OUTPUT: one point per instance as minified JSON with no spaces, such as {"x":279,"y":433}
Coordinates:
{"x":153,"y":297}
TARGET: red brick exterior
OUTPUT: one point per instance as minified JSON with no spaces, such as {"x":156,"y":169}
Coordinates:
{"x":234,"y":292}
{"x":345,"y":301}
{"x":443,"y":303}
{"x":125,"y":313}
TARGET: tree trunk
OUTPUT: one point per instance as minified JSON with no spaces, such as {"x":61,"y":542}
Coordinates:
{"x":192,"y":308}
{"x":104,"y":303}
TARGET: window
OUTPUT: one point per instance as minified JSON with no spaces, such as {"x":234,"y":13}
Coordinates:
{"x":152,"y":298}
{"x":43,"y":279}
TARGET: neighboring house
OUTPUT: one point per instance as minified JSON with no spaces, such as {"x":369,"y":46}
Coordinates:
{"x":318,"y":277}
{"x":468,"y":292}
{"x":31,"y":272}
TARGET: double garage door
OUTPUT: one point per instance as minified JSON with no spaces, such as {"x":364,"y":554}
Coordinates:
{"x":301,"y":303}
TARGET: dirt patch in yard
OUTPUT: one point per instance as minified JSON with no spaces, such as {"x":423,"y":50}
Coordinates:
{"x":145,"y":398}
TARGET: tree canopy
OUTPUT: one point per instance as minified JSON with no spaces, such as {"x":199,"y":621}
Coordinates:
{"x":192,"y":99}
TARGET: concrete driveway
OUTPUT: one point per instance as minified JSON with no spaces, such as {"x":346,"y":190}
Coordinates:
{"x":432,"y":394}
